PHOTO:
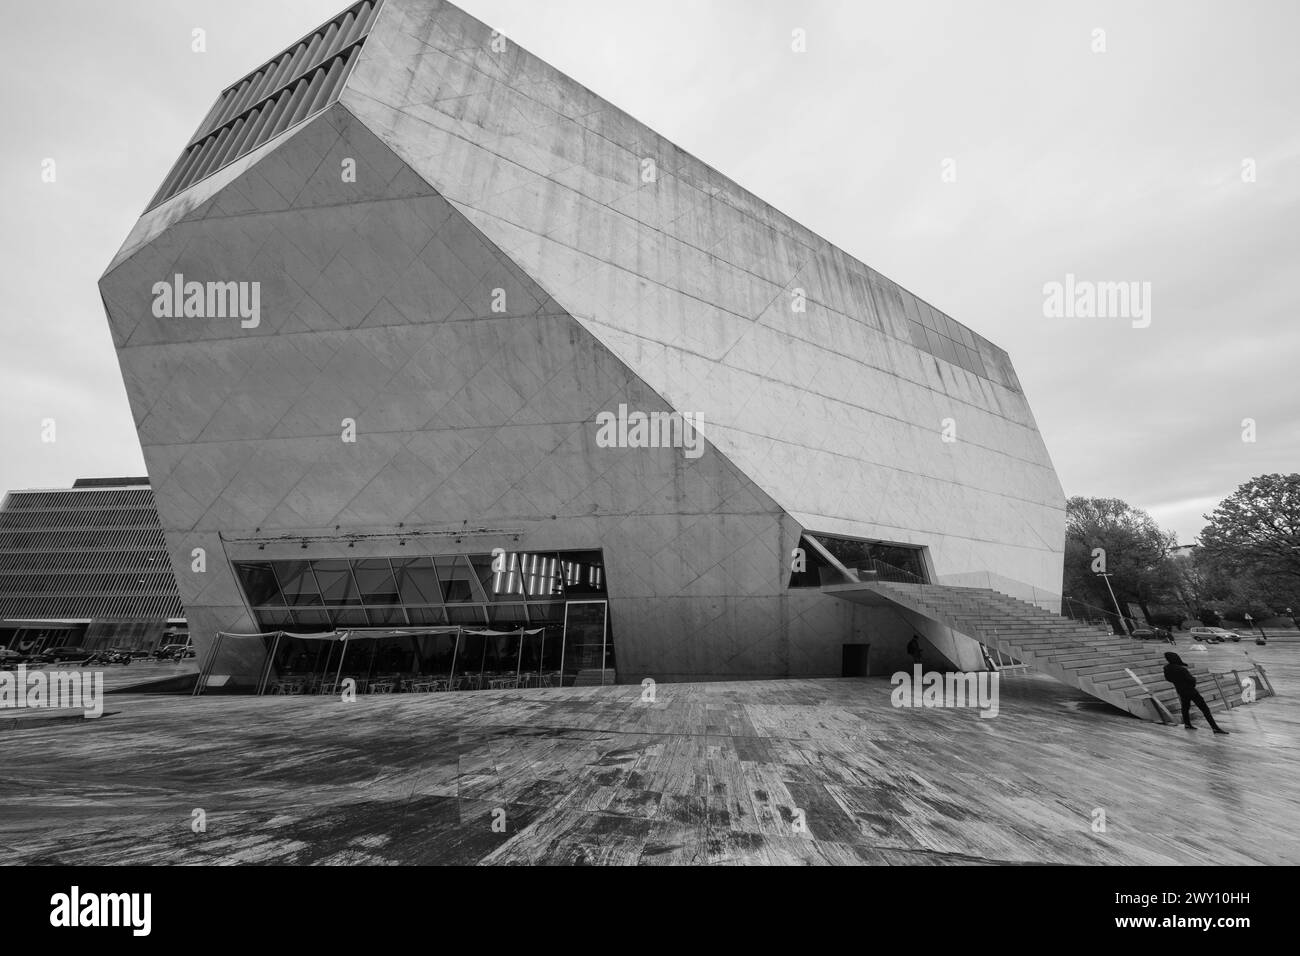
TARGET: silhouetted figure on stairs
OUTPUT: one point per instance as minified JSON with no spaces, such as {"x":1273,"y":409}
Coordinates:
{"x":1177,"y":673}
{"x":914,"y":649}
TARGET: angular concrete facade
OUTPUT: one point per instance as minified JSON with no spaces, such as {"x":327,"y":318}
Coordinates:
{"x":500,"y":270}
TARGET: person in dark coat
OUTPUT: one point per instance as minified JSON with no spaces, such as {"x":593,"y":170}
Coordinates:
{"x":914,"y":648}
{"x":1178,"y":674}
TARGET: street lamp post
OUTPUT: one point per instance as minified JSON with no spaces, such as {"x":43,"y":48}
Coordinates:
{"x":1105,"y":575}
{"x":1250,"y":620}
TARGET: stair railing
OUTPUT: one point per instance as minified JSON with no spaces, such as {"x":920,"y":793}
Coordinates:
{"x":1091,"y":614}
{"x":1165,"y":716}
{"x":875,"y":570}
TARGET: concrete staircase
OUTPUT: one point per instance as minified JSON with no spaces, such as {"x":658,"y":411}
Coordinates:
{"x":1085,"y":656}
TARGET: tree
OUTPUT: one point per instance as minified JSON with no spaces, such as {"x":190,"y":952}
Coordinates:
{"x":1109,"y":534}
{"x":1254,"y":536}
{"x":1194,"y":580}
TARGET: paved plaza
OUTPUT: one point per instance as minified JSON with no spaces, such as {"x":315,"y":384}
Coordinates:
{"x":797,"y":771}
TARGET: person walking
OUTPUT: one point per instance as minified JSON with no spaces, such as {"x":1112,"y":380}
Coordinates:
{"x":1178,"y":674}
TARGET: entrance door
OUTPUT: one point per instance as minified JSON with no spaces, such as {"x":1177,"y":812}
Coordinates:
{"x":853,"y":661}
{"x":585,"y":643}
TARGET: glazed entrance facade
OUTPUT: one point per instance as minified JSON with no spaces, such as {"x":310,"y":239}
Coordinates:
{"x":442,"y":622}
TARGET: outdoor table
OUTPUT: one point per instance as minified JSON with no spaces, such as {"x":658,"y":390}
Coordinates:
{"x":336,"y":686}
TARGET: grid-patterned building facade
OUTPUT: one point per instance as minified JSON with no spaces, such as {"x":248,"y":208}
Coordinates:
{"x":85,"y":565}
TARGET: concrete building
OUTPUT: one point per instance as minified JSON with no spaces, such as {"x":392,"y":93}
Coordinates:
{"x":86,"y":566}
{"x":396,"y":311}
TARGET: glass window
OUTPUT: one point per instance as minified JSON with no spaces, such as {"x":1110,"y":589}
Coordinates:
{"x":436,"y":653}
{"x":532,"y":652}
{"x":584,"y":640}
{"x":455,"y":575}
{"x":910,"y":308}
{"x":416,"y":583}
{"x":550,"y":613}
{"x":509,"y":581}
{"x":817,"y":571}
{"x":529,"y":590}
{"x":908,"y":559}
{"x":510,"y":615}
{"x":388,"y":616}
{"x":551,"y":651}
{"x":375,"y":580}
{"x":335,"y":580}
{"x":917,"y":332}
{"x":471,"y":654}
{"x":275,"y":620}
{"x":503,"y":654}
{"x":932,"y":341}
{"x":928,"y":318}
{"x":297,"y":583}
{"x":350,"y":617}
{"x":948,"y":350}
{"x":483,"y":573}
{"x":312,"y":622}
{"x":583,"y":572}
{"x":470,"y":615}
{"x":259,"y":583}
{"x":946,"y":325}
{"x":883,"y":559}
{"x":427,"y":615}
{"x":541,"y":575}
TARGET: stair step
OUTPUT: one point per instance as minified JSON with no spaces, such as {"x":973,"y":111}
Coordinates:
{"x":1120,"y":660}
{"x":1038,"y":639}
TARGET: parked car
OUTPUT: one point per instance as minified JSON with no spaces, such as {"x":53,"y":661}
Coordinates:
{"x":121,"y":655}
{"x":1153,"y":634}
{"x":1213,"y":635}
{"x":67,"y":655}
{"x":10,"y":659}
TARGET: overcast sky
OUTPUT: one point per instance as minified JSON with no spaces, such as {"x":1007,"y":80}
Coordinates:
{"x":1122,"y":165}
